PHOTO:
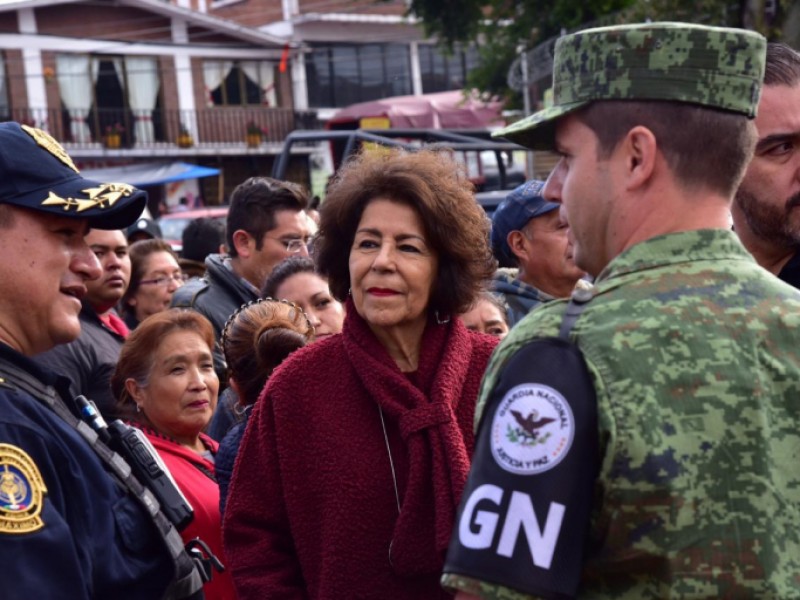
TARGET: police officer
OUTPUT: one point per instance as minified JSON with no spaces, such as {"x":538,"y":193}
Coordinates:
{"x":72,"y":524}
{"x":640,"y":440}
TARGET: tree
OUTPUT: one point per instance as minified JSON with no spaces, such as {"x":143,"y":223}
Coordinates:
{"x":502,"y":27}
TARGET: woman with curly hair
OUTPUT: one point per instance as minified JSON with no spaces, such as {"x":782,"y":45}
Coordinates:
{"x":352,"y":466}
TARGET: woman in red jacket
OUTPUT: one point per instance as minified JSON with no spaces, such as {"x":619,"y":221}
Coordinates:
{"x":353,"y":462}
{"x":166,"y":386}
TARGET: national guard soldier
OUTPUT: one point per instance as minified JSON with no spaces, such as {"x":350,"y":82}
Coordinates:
{"x":74,"y":523}
{"x":641,"y":440}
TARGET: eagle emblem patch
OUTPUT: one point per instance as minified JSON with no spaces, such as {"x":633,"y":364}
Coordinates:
{"x":532,"y":429}
{"x":46,"y":141}
{"x":22,"y":492}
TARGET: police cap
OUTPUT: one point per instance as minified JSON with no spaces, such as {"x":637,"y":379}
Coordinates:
{"x":37,"y":173}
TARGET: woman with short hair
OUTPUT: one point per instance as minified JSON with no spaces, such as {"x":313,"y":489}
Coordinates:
{"x":356,"y":455}
{"x":166,"y":386}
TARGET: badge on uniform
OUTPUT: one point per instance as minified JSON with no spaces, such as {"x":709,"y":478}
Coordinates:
{"x":22,"y":492}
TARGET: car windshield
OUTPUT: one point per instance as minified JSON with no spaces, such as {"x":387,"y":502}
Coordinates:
{"x":172,"y":229}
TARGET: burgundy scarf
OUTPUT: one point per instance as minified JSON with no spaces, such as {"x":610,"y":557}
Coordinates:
{"x":437,"y":456}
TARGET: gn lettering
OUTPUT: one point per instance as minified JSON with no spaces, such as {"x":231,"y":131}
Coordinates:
{"x":520,"y":516}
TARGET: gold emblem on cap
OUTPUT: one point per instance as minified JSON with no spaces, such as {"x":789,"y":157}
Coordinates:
{"x":22,"y":491}
{"x":104,"y":195}
{"x":46,"y":141}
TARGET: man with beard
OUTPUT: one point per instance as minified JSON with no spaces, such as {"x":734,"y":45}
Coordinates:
{"x":766,"y":209}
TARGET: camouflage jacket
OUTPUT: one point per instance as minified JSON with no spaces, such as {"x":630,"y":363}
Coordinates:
{"x":693,"y":350}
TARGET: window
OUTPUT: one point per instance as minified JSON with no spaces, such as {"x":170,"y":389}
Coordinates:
{"x":100,"y":93}
{"x":240,"y":83}
{"x":442,"y":72}
{"x":339,"y":75}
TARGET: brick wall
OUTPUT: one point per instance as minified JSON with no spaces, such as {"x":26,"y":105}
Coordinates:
{"x":15,"y":75}
{"x":102,"y":22}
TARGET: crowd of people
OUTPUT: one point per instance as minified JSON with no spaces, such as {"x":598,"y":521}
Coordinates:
{"x":590,"y":394}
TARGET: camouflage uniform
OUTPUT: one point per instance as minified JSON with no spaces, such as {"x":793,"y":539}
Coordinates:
{"x":692,"y":352}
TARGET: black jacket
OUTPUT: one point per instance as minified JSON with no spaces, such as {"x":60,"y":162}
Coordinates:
{"x":89,"y":361}
{"x":791,"y":271}
{"x":215,"y":296}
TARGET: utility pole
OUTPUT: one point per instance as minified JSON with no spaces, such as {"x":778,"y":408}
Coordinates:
{"x":526,"y":103}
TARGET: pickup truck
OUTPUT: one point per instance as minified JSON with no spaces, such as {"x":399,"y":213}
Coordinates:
{"x":493,"y":179}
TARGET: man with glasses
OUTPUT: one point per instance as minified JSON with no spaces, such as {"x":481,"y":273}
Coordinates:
{"x":89,"y":361}
{"x":266,"y":223}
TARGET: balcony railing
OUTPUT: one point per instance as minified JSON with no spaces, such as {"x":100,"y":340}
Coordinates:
{"x":124,"y":128}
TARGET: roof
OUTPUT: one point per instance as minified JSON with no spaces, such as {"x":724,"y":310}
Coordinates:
{"x":154,"y":173}
{"x":167,"y":9}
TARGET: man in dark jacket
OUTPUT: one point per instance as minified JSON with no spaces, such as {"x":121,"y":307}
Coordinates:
{"x":74,"y":522}
{"x":89,"y":361}
{"x":266,"y":223}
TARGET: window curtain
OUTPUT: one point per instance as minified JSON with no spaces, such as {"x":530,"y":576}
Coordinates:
{"x":263,"y":75}
{"x":143,"y":83}
{"x":75,"y":87}
{"x":214,"y":73}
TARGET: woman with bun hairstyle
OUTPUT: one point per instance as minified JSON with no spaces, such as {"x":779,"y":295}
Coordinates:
{"x":255,"y":340}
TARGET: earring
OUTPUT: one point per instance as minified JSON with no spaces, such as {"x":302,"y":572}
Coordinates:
{"x":349,"y":291}
{"x":138,"y":408}
{"x":440,"y":321}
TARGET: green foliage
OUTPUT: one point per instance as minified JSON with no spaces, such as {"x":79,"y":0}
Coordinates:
{"x":449,"y":20}
{"x":501,"y":26}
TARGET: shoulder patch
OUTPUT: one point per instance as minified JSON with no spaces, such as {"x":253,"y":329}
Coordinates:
{"x":532,"y":429}
{"x":22,"y":492}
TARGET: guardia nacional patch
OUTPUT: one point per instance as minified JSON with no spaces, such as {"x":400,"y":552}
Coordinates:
{"x":532,"y":429}
{"x":22,"y":492}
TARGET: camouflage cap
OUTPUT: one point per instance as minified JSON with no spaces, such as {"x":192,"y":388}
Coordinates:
{"x":712,"y":66}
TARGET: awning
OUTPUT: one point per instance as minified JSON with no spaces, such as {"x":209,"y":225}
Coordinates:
{"x":445,"y":110}
{"x":146,"y":174}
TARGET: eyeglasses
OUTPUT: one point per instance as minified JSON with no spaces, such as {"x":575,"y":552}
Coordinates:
{"x":178,"y":278}
{"x":292,"y":246}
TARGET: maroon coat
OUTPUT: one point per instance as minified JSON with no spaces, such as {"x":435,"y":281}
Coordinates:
{"x":312,"y":509}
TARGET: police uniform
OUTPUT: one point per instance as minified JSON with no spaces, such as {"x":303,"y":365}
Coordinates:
{"x":74,"y":522}
{"x":67,"y":529}
{"x":686,"y":431}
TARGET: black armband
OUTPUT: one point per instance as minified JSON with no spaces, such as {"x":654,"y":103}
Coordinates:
{"x":524,"y":515}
